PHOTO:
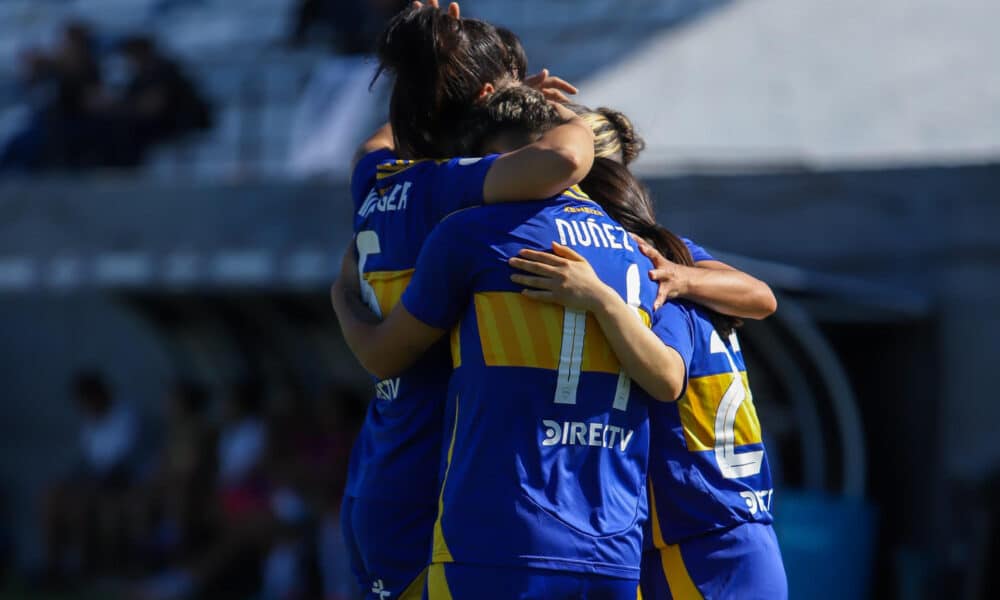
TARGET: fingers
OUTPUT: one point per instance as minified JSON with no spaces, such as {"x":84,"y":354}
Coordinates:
{"x":536,"y":79}
{"x":559,"y":83}
{"x":554,"y":95}
{"x":541,"y":283}
{"x":542,"y":257}
{"x":433,"y":4}
{"x":661,"y":297}
{"x":566,"y":252}
{"x":536,"y":268}
{"x":659,"y":275}
{"x":417,"y":5}
{"x":454,"y":11}
{"x":650,"y":252}
{"x":554,"y":88}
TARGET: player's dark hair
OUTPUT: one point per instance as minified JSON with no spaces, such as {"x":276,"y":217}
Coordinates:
{"x":517,"y":109}
{"x":626,"y":200}
{"x":517,"y":58}
{"x":440,"y":64}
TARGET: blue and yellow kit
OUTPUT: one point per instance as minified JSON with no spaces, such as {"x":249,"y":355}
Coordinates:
{"x":547,"y":440}
{"x":708,"y":474}
{"x":391,"y":496}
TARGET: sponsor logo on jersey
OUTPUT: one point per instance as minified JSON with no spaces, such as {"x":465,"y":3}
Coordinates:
{"x":387,"y":389}
{"x":579,"y":433}
{"x":758,"y":500}
{"x":378,"y":588}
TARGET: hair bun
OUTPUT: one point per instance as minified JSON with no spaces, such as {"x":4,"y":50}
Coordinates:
{"x":631,"y":142}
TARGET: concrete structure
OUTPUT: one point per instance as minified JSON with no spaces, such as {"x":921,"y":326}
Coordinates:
{"x":816,"y":83}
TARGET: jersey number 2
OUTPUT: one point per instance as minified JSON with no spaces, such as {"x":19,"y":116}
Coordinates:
{"x":731,"y":464}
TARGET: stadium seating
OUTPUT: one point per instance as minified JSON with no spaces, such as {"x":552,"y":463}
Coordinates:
{"x":234,"y":50}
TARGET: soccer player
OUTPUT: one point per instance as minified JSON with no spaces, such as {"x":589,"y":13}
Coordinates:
{"x":391,"y":499}
{"x":709,"y":534}
{"x":543,"y":492}
{"x":708,"y":282}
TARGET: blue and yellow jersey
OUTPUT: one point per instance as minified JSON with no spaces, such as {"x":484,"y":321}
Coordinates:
{"x":397,"y":203}
{"x":707,"y":466}
{"x":547,"y":440}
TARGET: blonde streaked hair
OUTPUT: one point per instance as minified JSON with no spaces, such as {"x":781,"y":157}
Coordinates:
{"x":615,"y":136}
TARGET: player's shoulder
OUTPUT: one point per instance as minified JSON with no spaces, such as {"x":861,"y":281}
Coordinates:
{"x":394,"y":169}
{"x":678,"y":311}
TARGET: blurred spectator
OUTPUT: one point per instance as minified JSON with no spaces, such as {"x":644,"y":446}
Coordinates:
{"x":63,"y":87}
{"x":82,"y":515}
{"x":160,"y":101}
{"x":243,"y":526}
{"x":171,"y":509}
{"x":341,"y":414}
{"x":78,"y":123}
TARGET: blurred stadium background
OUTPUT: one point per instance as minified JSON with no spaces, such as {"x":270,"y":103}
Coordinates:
{"x":173,"y":204}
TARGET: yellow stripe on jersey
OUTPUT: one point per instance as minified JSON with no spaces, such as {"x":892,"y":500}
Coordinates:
{"x":414,"y":591}
{"x":456,"y":346}
{"x":577,"y":193}
{"x":681,"y":585}
{"x":515,"y":331}
{"x":699,"y":405}
{"x":437,"y":583}
{"x":389,"y":169}
{"x":389,"y":287}
{"x":440,"y":552}
{"x":678,"y":578}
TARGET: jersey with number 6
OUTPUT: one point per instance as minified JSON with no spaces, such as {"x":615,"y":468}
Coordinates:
{"x":547,"y":440}
{"x":397,"y":203}
{"x":707,"y":466}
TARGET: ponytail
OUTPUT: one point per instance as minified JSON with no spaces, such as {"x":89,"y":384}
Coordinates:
{"x":627,"y":201}
{"x":440,"y":64}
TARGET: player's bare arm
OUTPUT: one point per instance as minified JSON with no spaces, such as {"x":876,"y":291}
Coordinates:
{"x":560,"y":159}
{"x":566,"y":278}
{"x":711,"y":283}
{"x":385,"y":348}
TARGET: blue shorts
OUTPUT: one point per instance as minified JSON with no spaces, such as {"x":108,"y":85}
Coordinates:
{"x":743,"y":562}
{"x":467,"y":582}
{"x":389,"y":546}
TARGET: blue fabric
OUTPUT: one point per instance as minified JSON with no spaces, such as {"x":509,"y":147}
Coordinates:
{"x":467,"y":582}
{"x":388,"y":542}
{"x":708,"y":467}
{"x":697,"y":252}
{"x":742,"y":562}
{"x":394,"y":467}
{"x":545,"y":471}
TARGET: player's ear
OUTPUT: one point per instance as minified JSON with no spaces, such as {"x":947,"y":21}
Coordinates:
{"x":486,"y":91}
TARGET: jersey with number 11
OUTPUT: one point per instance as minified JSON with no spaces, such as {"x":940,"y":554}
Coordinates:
{"x":547,"y":439}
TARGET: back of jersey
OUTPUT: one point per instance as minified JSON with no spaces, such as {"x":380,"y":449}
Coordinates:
{"x":397,"y":204}
{"x":548,"y":439}
{"x":708,"y":467}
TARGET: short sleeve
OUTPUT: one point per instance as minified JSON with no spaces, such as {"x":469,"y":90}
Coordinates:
{"x":672,"y":324}
{"x":458,"y":184}
{"x":364,"y":174}
{"x":442,"y":282}
{"x":697,"y":252}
